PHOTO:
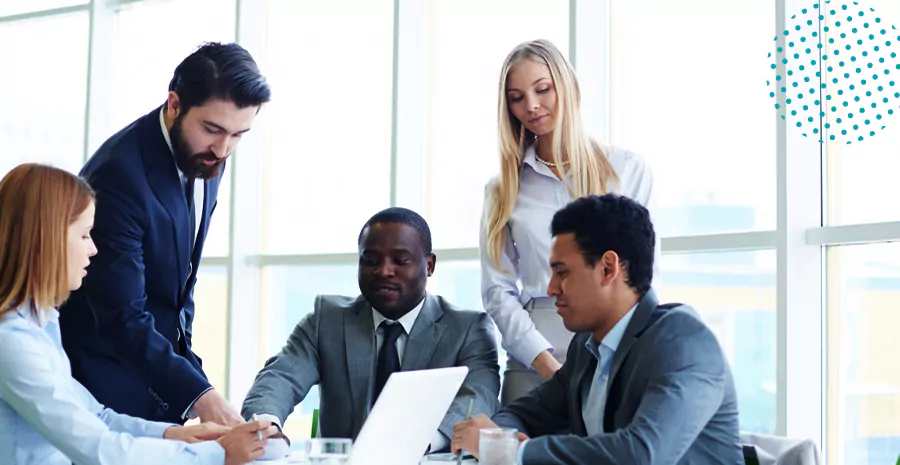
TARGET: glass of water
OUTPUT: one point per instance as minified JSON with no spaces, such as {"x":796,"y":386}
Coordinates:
{"x":498,"y":446}
{"x":329,"y":451}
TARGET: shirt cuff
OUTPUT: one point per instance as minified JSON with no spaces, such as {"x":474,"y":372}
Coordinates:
{"x":268,"y":416}
{"x":208,"y":452}
{"x":529,"y":346}
{"x":275,"y":421}
{"x":189,"y":413}
{"x":438,"y":442}
{"x":156,"y":429}
{"x":522,"y":451}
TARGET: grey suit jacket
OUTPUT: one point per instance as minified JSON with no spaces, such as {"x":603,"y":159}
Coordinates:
{"x":670,"y":398}
{"x":335,"y":348}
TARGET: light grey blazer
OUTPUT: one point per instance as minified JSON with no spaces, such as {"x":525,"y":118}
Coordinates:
{"x":334,"y":347}
{"x":670,"y":398}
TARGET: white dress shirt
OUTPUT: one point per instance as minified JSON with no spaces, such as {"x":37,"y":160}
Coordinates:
{"x":407,"y":321}
{"x":49,"y":418}
{"x":526,"y":254}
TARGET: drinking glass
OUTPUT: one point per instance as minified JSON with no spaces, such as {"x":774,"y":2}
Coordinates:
{"x":498,"y":446}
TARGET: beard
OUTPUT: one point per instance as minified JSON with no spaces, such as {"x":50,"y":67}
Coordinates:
{"x":192,"y":164}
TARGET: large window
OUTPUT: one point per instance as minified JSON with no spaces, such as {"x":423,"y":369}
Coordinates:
{"x":687,"y":87}
{"x":862,"y":388}
{"x":210,"y":336}
{"x":863,"y":383}
{"x":327,"y":161}
{"x":468,"y":41}
{"x":378,"y":102}
{"x":18,"y":8}
{"x":43,"y":91}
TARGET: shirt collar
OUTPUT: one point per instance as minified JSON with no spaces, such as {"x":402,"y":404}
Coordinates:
{"x":613,"y":337}
{"x":41,"y":319}
{"x":531,"y":157}
{"x":162,"y":124}
{"x":531,"y":160}
{"x":407,"y":321}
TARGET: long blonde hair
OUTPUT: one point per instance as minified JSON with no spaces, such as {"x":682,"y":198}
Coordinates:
{"x":37,"y":205}
{"x":590,"y":168}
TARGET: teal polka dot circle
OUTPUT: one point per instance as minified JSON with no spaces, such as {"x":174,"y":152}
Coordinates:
{"x":842,"y":53}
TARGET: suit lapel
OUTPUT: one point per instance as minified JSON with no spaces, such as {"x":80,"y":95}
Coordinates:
{"x":162,"y":175}
{"x":638,"y":321}
{"x":425,"y":336}
{"x":636,"y":326}
{"x":583,"y":380}
{"x":359,"y":339}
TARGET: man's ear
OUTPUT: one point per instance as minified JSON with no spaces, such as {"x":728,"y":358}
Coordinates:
{"x":173,"y":105}
{"x":430,"y":262}
{"x":610,"y":267}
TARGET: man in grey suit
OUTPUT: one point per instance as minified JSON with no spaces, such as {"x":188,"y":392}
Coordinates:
{"x":350,"y":346}
{"x":643,"y":383}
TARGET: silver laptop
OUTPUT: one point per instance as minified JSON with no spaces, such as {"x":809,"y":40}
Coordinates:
{"x":406,"y":415}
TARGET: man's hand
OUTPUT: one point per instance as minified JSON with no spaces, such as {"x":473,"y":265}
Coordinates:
{"x":545,"y":365}
{"x":466,"y":434}
{"x":196,"y":433}
{"x":212,"y":407}
{"x":242,"y":444}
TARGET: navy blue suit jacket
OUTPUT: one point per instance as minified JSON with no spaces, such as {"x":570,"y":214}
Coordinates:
{"x":127,"y":331}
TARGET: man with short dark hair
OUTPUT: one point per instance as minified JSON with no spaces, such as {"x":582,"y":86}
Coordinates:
{"x":350,"y":346}
{"x":127,"y":331}
{"x":643,"y":382}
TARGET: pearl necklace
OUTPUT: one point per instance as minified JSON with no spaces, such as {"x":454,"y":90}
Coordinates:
{"x":548,"y":164}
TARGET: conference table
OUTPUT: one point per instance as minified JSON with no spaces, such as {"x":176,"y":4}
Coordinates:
{"x":299,"y":458}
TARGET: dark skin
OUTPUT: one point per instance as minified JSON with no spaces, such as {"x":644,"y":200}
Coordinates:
{"x":393,"y":268}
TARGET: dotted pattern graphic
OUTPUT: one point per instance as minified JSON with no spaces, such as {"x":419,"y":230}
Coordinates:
{"x":839,"y":72}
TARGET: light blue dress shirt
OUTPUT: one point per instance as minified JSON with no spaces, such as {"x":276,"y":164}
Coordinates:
{"x":525,"y":259}
{"x":49,"y":418}
{"x":592,"y":410}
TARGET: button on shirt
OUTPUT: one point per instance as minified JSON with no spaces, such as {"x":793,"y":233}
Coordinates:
{"x":526,"y":254}
{"x":49,"y":418}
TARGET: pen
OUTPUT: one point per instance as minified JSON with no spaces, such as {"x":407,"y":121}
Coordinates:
{"x":468,"y":416}
{"x":258,"y":432}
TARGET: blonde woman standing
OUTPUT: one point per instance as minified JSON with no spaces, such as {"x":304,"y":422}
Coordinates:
{"x":546,"y":161}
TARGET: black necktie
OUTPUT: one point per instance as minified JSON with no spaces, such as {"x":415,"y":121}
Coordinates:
{"x":192,"y":216}
{"x":388,"y":358}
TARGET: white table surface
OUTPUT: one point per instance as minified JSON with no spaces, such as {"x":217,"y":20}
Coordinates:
{"x":297,"y":458}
